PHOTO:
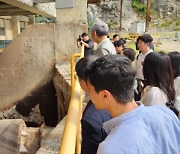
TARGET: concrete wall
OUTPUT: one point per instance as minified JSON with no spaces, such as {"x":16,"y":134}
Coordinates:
{"x":29,"y":61}
{"x":78,"y":14}
{"x":26,"y":63}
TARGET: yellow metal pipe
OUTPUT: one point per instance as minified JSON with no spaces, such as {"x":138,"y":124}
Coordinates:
{"x":72,"y":69}
{"x":73,"y":65}
{"x":68,"y":144}
{"x":72,"y":133}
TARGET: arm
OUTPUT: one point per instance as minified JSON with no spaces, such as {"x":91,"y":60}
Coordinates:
{"x":85,"y":44}
{"x":79,"y":44}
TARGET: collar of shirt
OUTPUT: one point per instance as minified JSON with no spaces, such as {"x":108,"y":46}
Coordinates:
{"x":109,"y":125}
{"x":101,"y":43}
{"x":144,"y":55}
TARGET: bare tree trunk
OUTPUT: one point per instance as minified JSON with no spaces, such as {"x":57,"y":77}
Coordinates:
{"x":148,"y":18}
{"x":120,"y":21}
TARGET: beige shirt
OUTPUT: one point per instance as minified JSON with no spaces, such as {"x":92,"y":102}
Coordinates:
{"x":177,"y":90}
{"x":154,"y":96}
{"x":104,"y":48}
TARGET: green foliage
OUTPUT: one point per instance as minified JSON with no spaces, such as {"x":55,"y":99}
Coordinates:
{"x":177,"y":25}
{"x":90,"y":23}
{"x":111,"y":23}
{"x":139,"y":7}
{"x":173,"y":23}
{"x":40,"y":19}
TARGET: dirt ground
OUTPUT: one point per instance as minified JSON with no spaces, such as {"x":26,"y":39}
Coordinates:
{"x":168,"y":44}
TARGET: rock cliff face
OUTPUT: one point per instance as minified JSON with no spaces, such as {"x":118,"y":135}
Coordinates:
{"x":168,"y":8}
{"x":109,"y":11}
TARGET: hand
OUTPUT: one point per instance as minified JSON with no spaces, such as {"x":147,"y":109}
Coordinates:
{"x":82,"y":42}
{"x":79,"y":44}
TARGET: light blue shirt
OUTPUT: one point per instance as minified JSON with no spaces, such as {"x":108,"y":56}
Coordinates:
{"x":145,"y":130}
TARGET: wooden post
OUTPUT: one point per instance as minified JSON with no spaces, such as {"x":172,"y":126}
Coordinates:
{"x":120,"y":21}
{"x":148,"y":18}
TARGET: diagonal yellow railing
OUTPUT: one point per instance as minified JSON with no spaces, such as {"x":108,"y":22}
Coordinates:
{"x":71,"y":140}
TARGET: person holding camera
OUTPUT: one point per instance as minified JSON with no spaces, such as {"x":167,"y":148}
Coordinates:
{"x":88,"y":44}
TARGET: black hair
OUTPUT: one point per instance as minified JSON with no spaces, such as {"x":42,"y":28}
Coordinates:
{"x":175,"y":60}
{"x":130,"y":53}
{"x":123,"y":39}
{"x":151,"y":45}
{"x":84,"y":34}
{"x":157,"y":70}
{"x":115,"y":74}
{"x":115,"y":35}
{"x":82,"y":67}
{"x":146,"y":38}
{"x":119,"y":43}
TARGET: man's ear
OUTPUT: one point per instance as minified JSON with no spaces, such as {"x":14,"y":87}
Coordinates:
{"x":147,"y":44}
{"x":106,"y":95}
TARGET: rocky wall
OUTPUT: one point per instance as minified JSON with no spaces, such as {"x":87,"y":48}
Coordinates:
{"x":109,"y":11}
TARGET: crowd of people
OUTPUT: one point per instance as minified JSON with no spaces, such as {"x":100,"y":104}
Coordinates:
{"x":133,"y":109}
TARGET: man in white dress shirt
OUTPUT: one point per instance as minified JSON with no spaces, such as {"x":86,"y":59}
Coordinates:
{"x":143,"y":45}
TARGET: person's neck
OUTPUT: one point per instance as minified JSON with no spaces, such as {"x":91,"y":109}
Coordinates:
{"x":100,"y":39}
{"x":119,"y":108}
{"x":146,"y":51}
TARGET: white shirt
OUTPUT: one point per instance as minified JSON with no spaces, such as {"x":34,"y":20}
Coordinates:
{"x":139,"y":66}
{"x":177,"y":90}
{"x":154,"y":96}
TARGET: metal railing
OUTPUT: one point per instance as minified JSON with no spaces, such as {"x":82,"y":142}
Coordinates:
{"x":71,"y":140}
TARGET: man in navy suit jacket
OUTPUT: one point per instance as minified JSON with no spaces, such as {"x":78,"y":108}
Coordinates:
{"x":92,"y":120}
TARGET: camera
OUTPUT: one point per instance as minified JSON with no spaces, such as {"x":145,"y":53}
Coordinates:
{"x":79,"y":40}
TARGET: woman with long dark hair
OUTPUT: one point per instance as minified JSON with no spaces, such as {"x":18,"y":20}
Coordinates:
{"x":159,"y":79}
{"x":175,"y":60}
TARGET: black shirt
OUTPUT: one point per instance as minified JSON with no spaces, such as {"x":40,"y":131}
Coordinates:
{"x":89,"y":51}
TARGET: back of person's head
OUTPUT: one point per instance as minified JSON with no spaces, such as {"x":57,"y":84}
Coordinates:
{"x":115,"y":35}
{"x":114,"y":74}
{"x":175,"y":60}
{"x":123,"y":39}
{"x":101,"y":28}
{"x":146,"y":38}
{"x":157,"y":70}
{"x":83,"y":66}
{"x":84,"y":34}
{"x":119,"y":43}
{"x":130,"y":53}
{"x":136,"y":43}
{"x":151,"y":46}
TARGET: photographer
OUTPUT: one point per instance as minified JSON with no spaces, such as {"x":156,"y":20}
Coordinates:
{"x":88,"y":44}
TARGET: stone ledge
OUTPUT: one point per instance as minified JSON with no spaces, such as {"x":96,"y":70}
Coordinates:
{"x":52,"y":142}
